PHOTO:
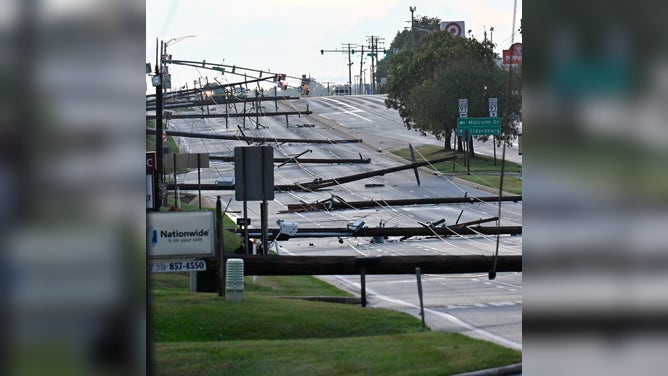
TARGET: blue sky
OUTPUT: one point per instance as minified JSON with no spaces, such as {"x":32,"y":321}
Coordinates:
{"x":286,"y":36}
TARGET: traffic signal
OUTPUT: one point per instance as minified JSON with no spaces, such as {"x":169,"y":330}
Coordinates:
{"x":322,"y":52}
{"x":352,"y":51}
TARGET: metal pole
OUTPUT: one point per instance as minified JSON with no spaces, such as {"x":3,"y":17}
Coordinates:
{"x":494,"y":139}
{"x":243,"y":168}
{"x":264,"y":208}
{"x":265,"y":225}
{"x":221,"y":256}
{"x":199,"y":180}
{"x":175,"y":185}
{"x":362,"y":91}
{"x":418,"y":275}
{"x":363,"y":285}
{"x":159,"y":150}
{"x":350,"y":78}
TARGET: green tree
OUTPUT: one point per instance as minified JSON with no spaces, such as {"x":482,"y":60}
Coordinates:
{"x":404,"y":40}
{"x":425,"y":84}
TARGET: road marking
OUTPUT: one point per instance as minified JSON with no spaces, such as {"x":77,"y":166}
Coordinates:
{"x":493,"y":337}
{"x":350,"y":112}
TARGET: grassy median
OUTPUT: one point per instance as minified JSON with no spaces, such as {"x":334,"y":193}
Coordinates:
{"x":203,"y":334}
{"x":482,"y":168}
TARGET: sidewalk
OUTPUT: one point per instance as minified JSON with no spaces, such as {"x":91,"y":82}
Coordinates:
{"x":513,"y":370}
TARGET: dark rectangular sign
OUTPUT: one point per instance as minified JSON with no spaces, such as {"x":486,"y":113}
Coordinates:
{"x":186,"y":161}
{"x":254,"y":173}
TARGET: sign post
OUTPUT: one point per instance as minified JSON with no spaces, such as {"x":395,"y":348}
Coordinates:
{"x":493,"y":112}
{"x":254,"y":181}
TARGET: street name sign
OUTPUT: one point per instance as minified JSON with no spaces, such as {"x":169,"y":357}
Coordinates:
{"x":479,"y":126}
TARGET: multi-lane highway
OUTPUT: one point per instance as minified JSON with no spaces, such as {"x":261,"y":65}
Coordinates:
{"x":470,"y":304}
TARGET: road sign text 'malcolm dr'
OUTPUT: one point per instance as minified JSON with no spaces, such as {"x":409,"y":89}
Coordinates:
{"x":479,"y":126}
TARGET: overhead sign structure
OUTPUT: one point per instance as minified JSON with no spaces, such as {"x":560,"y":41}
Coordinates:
{"x":479,"y":126}
{"x":180,"y":234}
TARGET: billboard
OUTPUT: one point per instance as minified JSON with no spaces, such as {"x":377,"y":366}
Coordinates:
{"x":513,"y":54}
{"x":180,"y":234}
{"x":455,"y":28}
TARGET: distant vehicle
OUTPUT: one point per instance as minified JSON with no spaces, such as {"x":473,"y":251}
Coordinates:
{"x":341,"y":90}
{"x":225,"y":181}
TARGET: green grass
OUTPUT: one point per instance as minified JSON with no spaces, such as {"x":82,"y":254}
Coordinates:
{"x":204,"y":334}
{"x":150,"y":139}
{"x":511,"y":184}
{"x":483,"y":171}
{"x":428,"y":353}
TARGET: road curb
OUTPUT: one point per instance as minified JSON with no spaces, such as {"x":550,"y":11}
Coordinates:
{"x":513,"y":369}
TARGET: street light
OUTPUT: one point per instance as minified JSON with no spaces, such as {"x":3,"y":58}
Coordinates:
{"x":161,"y":81}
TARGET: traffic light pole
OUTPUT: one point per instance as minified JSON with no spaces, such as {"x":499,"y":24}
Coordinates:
{"x":350,"y":77}
{"x":349,"y":50}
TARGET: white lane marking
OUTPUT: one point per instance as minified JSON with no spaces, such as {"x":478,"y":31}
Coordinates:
{"x":454,"y":320}
{"x":350,"y":112}
{"x":484,"y":333}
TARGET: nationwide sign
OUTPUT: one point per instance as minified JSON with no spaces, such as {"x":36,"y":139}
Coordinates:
{"x":479,"y":126}
{"x":180,"y":234}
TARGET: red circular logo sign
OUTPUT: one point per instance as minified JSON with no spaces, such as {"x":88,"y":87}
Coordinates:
{"x":454,"y":28}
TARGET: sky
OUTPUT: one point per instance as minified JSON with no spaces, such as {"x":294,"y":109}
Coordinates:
{"x":286,"y":36}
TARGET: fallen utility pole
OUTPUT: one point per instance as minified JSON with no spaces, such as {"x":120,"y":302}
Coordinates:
{"x":310,"y":186}
{"x":243,"y":114}
{"x":320,"y":183}
{"x":351,"y":265}
{"x":215,"y":100}
{"x":251,"y":139}
{"x":337,"y":203}
{"x":300,"y":160}
{"x":454,"y":230}
{"x":195,"y":91}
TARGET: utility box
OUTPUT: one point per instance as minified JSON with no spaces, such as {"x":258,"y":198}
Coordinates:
{"x":288,"y":228}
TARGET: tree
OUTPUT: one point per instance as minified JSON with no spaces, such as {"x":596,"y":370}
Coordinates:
{"x":404,"y":40}
{"x":425,"y":84}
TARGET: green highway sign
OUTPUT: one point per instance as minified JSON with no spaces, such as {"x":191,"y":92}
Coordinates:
{"x":479,"y":126}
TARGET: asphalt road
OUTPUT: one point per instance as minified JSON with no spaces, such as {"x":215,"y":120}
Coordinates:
{"x":469,"y":304}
